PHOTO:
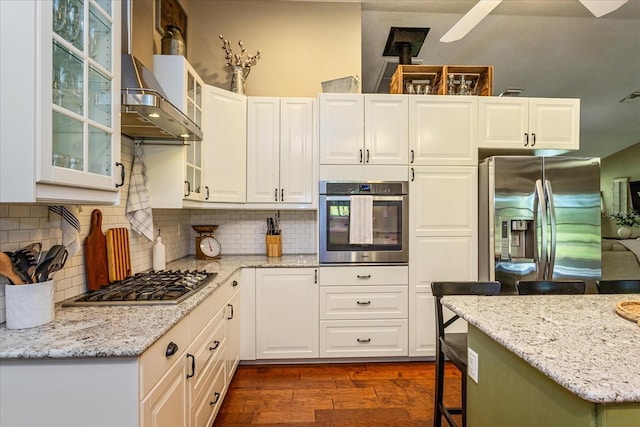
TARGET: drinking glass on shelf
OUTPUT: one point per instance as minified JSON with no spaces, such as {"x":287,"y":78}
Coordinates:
{"x":93,"y":38}
{"x":59,"y":14}
{"x":418,"y":90}
{"x":464,"y":87}
{"x":410,"y":89}
{"x":427,"y":89}
{"x":73,"y":21}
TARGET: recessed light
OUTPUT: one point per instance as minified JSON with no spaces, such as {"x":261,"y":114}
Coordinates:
{"x":632,"y":97}
{"x":511,"y":92}
{"x":154,"y":115}
{"x":185,"y":135}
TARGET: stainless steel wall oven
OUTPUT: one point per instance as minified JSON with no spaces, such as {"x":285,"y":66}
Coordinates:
{"x":388,"y":209}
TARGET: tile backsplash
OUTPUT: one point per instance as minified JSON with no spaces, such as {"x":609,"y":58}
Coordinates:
{"x":239,"y":232}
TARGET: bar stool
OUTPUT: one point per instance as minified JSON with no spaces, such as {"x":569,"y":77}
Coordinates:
{"x":453,"y":345}
{"x":549,"y":287}
{"x":631,"y":286}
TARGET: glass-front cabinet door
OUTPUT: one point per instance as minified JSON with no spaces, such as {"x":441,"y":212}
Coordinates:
{"x":81,"y":93}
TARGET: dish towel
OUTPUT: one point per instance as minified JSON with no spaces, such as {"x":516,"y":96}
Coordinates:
{"x":138,"y":210}
{"x":66,"y":219}
{"x":361,"y":220}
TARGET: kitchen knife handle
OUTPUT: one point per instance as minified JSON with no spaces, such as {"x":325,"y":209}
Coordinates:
{"x":172,"y":349}
{"x":121,"y":174}
{"x":193,"y":365}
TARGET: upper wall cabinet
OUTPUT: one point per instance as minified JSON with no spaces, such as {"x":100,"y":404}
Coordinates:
{"x":280,"y":151}
{"x":363,"y":129}
{"x":225,"y":146}
{"x":60,"y":85}
{"x":529,"y":123}
{"x":442,"y":130}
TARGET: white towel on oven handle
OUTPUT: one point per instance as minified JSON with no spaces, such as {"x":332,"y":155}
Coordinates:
{"x":361,"y":220}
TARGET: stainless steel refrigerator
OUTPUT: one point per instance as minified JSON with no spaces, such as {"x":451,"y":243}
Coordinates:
{"x":539,"y":219}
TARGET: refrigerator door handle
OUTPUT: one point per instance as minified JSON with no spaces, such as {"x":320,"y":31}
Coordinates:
{"x":552,"y":218}
{"x":540,"y":199}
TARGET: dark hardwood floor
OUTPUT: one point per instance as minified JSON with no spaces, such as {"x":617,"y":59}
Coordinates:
{"x":359,"y":394}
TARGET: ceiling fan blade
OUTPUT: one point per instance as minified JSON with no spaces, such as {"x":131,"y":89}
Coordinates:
{"x":470,"y":20}
{"x":602,"y":7}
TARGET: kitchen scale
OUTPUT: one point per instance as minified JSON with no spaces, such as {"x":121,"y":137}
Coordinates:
{"x":207,"y":247}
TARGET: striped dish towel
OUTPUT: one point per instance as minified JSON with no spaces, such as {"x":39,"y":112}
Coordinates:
{"x":138,"y":210}
{"x":66,"y":219}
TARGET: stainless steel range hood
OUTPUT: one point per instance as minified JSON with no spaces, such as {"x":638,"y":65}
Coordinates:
{"x":146,"y":111}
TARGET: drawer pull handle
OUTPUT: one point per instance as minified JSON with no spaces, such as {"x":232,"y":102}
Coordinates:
{"x":172,"y":349}
{"x":368,"y":276}
{"x":363,"y":302}
{"x":216,"y":344}
{"x":121,"y":174}
{"x":193,"y":365}
{"x":217,"y":397}
{"x":231,"y":315}
{"x":364,"y":341}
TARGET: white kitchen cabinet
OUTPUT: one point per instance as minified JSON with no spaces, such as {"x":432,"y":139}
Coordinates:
{"x":363,"y":311}
{"x":167,"y":404}
{"x":225,"y":146}
{"x":183,"y":87}
{"x":363,"y":129}
{"x":287,"y":313}
{"x":167,"y":181}
{"x":248,"y":318}
{"x":443,"y":225}
{"x":280,"y":151}
{"x":60,"y":122}
{"x":529,"y":123}
{"x":232,"y":319}
{"x":443,"y":130}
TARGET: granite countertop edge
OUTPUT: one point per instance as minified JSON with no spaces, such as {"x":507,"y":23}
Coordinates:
{"x":127,"y":331}
{"x":586,"y":348}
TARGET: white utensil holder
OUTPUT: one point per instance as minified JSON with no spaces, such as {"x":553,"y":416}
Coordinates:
{"x":30,"y":305}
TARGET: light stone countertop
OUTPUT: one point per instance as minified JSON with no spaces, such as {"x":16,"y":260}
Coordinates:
{"x":580,"y":342}
{"x":126,"y":331}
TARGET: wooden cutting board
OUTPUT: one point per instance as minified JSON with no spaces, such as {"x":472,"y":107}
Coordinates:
{"x":118,"y":254}
{"x":95,"y":254}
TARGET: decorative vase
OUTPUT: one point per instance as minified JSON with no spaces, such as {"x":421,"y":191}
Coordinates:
{"x":237,"y":80}
{"x":624,"y":232}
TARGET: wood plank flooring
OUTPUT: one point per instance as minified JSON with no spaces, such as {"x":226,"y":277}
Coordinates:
{"x":354,"y":394}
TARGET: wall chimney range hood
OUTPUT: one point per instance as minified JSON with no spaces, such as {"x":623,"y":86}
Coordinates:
{"x":146,"y":112}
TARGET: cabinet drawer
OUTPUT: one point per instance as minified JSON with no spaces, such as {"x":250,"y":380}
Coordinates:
{"x":363,"y":302}
{"x":363,"y":338}
{"x":364,"y":275}
{"x":206,"y":407}
{"x":203,"y":313}
{"x":206,"y":350}
{"x":154,"y":362}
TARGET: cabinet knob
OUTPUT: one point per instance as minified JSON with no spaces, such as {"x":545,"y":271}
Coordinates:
{"x":234,"y":283}
{"x":172,"y":349}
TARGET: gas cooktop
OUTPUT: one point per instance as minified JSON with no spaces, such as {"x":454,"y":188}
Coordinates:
{"x":155,"y":287}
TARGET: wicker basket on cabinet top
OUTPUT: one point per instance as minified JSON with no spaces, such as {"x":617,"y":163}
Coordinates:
{"x":439,"y":78}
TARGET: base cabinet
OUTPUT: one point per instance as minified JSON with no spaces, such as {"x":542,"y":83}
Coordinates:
{"x":286,"y":313}
{"x":166,"y":404}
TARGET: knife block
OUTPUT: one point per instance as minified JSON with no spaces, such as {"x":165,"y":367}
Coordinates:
{"x":274,"y":245}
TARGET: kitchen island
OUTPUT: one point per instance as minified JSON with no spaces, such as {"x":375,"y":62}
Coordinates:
{"x":551,"y":361}
{"x":162,"y":365}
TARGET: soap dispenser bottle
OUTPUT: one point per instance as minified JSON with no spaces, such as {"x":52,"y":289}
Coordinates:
{"x":158,"y":254}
